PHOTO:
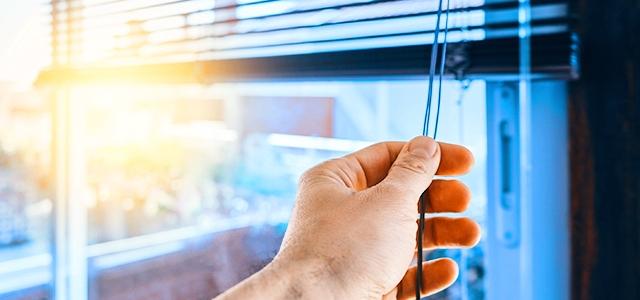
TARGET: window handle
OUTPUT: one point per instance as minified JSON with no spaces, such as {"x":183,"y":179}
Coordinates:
{"x":508,"y":208}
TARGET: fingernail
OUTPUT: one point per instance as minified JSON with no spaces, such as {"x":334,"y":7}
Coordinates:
{"x":423,"y":146}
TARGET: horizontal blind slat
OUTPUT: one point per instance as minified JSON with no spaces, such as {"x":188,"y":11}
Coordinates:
{"x":140,"y":32}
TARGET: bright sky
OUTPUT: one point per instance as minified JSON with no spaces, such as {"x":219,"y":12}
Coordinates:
{"x":24,"y":48}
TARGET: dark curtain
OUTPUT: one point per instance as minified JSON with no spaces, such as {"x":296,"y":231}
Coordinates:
{"x":605,"y":152}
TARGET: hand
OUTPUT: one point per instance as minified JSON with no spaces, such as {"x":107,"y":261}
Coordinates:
{"x":352,"y":234}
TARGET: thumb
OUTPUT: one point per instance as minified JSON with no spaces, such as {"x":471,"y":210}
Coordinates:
{"x":413,"y":169}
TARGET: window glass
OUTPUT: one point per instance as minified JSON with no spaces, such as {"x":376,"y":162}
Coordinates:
{"x":193,"y":185}
{"x":25,"y":202}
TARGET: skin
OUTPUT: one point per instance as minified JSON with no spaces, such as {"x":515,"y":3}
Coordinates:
{"x":352,"y":234}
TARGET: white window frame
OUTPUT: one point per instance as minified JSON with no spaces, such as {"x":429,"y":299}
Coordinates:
{"x":528,"y":237}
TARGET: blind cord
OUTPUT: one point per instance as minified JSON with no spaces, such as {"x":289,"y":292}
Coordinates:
{"x":425,"y":128}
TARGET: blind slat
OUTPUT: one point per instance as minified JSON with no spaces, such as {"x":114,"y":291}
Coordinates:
{"x":143,"y":32}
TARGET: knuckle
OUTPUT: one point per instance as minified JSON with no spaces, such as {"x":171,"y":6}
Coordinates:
{"x":308,"y":175}
{"x":320,"y":170}
{"x":413,"y":164}
{"x":304,"y":177}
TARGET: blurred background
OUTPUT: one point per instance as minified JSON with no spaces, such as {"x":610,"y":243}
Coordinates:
{"x":150,"y":149}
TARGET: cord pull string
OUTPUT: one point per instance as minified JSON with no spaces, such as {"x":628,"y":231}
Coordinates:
{"x":425,"y":127}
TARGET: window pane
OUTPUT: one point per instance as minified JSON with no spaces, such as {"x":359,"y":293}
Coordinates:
{"x":25,"y":203}
{"x":190,"y":187}
{"x":153,"y":160}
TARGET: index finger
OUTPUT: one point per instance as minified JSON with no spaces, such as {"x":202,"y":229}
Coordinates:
{"x":454,"y":160}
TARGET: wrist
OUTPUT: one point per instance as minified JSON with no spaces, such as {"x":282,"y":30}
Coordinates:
{"x":306,"y":278}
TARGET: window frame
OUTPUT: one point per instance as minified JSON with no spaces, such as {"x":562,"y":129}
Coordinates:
{"x":536,"y":263}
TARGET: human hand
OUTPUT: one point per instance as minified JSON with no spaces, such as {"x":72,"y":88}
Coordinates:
{"x":355,"y":225}
{"x":352,"y":234}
